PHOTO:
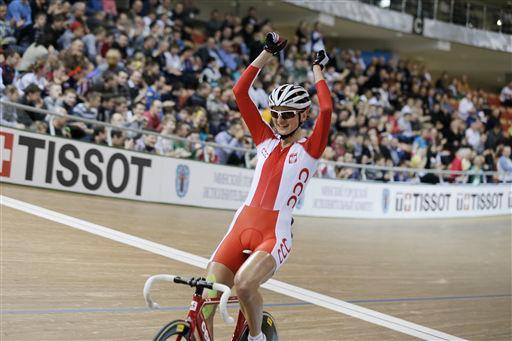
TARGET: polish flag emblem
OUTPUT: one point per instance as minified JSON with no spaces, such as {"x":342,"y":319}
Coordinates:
{"x":6,"y":140}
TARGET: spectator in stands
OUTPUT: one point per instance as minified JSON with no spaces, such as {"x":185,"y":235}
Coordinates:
{"x":317,"y":38}
{"x":36,"y":76}
{"x":505,"y":165}
{"x":89,"y":108}
{"x":59,"y":125}
{"x":69,"y":100}
{"x":100,"y":136}
{"x":466,"y":107}
{"x":9,"y":115}
{"x":32,"y":98}
{"x":7,"y":33}
{"x":112,"y":65}
{"x":473,"y":136}
{"x":118,"y":140}
{"x":165,"y":146}
{"x":137,"y":120}
{"x":211,"y":73}
{"x":327,"y":170}
{"x":20,"y":13}
{"x":146,"y":144}
{"x":233,"y":137}
{"x":495,"y":137}
{"x":153,"y":116}
{"x":477,"y":169}
{"x":53,"y":100}
{"x":199,"y":97}
{"x":506,"y":95}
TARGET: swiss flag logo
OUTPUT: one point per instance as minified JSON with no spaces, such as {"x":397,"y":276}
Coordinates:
{"x":6,"y":141}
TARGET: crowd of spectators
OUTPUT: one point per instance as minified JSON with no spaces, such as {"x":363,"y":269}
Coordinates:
{"x":152,"y":65}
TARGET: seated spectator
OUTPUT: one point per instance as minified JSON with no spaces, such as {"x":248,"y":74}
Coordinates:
{"x":37,"y":76}
{"x":9,"y":115}
{"x":460,"y":163}
{"x":69,"y":100}
{"x":7,"y":33}
{"x":20,"y":13}
{"x":137,"y":120}
{"x":53,"y":100}
{"x":477,"y":169}
{"x":32,"y":98}
{"x":89,"y":108}
{"x":421,"y":141}
{"x":100,"y":135}
{"x":165,"y":146}
{"x":495,"y":137}
{"x":506,"y":95}
{"x":217,"y":110}
{"x":233,"y":137}
{"x":348,"y":173}
{"x":327,"y":170}
{"x":58,"y":125}
{"x":118,"y":120}
{"x":466,"y":107}
{"x":112,"y":64}
{"x":211,"y":73}
{"x":146,"y":144}
{"x":473,"y":137}
{"x":153,"y":116}
{"x":119,"y":139}
{"x":199,"y":97}
{"x":406,"y":130}
{"x":505,"y":165}
{"x":37,"y":51}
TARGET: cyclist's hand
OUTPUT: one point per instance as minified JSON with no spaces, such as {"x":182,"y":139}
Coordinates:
{"x":321,"y":59}
{"x":274,"y":43}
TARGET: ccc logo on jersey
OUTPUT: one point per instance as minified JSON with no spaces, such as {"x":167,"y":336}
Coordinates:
{"x":298,"y":187}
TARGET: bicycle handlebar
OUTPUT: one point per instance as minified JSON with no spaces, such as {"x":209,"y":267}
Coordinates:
{"x":226,"y":292}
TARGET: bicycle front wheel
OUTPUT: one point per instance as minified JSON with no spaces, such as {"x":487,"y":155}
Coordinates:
{"x":175,"y":330}
{"x":268,"y":327}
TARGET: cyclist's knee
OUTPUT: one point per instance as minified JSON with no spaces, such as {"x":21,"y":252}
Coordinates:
{"x":245,"y":288}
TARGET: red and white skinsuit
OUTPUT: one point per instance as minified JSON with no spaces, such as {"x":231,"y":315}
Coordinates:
{"x":280,"y":178}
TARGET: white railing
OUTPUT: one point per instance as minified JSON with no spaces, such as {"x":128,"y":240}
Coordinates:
{"x":250,"y":153}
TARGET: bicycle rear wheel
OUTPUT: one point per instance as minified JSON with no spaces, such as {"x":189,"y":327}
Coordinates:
{"x":268,"y":327}
{"x":175,"y":330}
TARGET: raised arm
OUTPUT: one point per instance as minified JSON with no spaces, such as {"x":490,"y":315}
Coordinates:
{"x":318,"y":139}
{"x":260,"y":131}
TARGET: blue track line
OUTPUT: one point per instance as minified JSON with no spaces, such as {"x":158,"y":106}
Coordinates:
{"x":185,"y":308}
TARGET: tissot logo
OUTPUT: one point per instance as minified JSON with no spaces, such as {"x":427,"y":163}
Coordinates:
{"x":5,"y":154}
{"x":93,"y":168}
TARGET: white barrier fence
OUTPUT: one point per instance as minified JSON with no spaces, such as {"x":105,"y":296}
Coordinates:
{"x":56,"y":163}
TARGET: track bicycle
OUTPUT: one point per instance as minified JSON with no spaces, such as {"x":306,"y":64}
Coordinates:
{"x":194,"y":324}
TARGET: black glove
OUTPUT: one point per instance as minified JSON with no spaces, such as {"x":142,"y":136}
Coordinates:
{"x":274,"y":43}
{"x":321,"y":59}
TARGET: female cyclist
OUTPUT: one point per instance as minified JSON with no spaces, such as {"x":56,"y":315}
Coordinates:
{"x":259,"y":240}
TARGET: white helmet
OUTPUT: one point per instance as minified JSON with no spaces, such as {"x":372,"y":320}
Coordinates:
{"x":289,"y":95}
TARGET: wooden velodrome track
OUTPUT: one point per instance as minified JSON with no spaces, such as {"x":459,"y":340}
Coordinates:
{"x":59,"y":283}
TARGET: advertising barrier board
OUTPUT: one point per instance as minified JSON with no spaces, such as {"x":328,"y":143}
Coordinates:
{"x":57,"y":163}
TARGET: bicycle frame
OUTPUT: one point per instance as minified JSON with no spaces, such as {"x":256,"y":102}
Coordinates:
{"x":195,"y":315}
{"x":198,"y":322}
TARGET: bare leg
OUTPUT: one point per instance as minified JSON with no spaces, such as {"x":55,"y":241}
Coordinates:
{"x":222,"y":274}
{"x":256,"y":270}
